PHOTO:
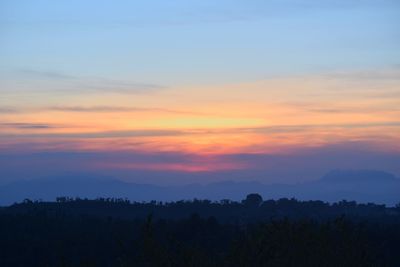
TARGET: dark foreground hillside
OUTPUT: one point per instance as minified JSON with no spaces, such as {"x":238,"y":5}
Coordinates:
{"x":115,"y":232}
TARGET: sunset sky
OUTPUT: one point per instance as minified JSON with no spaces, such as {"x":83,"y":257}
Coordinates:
{"x":199,"y":91}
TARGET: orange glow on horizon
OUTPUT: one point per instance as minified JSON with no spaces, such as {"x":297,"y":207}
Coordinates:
{"x":267,"y":116}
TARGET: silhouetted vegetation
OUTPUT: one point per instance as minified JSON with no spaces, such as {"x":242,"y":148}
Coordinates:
{"x":117,"y":232}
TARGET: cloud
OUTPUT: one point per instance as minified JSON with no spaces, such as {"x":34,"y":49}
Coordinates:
{"x":46,"y":74}
{"x":179,"y":132}
{"x":107,"y":109}
{"x":6,"y":110}
{"x":98,"y":109}
{"x":352,"y":110}
{"x":346,"y":108}
{"x":105,"y":85}
{"x":85,"y":135}
{"x":387,"y":74}
{"x":132,"y":133}
{"x":304,"y":127}
{"x":52,"y":81}
{"x":22,"y":125}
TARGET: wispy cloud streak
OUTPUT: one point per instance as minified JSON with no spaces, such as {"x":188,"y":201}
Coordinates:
{"x":52,"y":81}
{"x":31,"y":126}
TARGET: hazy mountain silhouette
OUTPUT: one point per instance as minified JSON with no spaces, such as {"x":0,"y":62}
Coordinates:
{"x":359,"y":185}
{"x":358,"y":176}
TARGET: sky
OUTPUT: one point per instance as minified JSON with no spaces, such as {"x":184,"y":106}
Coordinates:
{"x":177,"y":92}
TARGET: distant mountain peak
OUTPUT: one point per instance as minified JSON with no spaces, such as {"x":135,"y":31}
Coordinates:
{"x":343,"y":176}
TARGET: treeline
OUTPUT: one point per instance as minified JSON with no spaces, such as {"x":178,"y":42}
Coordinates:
{"x":252,"y":209}
{"x":116,"y":232}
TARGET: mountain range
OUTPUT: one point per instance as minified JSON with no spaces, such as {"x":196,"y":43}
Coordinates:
{"x":352,"y":185}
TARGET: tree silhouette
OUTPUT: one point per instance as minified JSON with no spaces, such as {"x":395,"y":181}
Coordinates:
{"x":253,"y":200}
{"x":115,"y":232}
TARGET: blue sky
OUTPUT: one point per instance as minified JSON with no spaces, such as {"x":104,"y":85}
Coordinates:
{"x":197,"y":42}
